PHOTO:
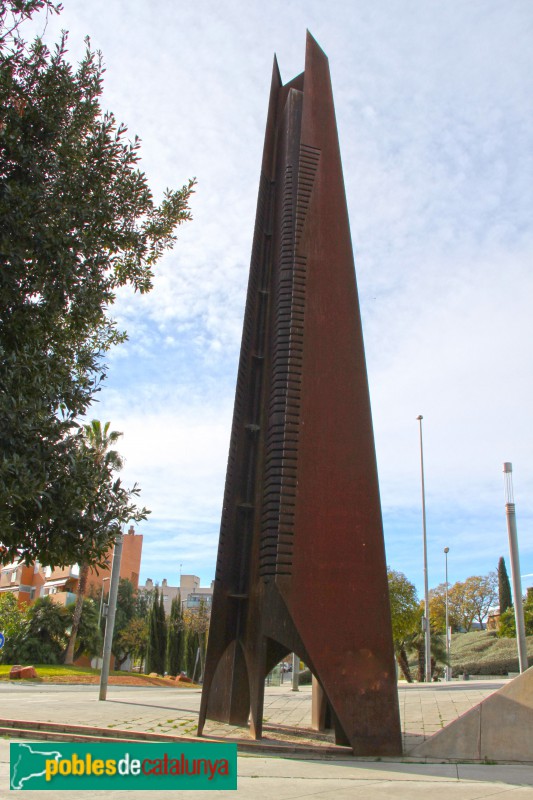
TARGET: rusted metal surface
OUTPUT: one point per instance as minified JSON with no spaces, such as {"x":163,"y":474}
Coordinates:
{"x":301,"y":563}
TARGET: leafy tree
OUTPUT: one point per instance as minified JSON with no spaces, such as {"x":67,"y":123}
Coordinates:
{"x":131,"y":620}
{"x":132,"y":640}
{"x":144,"y":599}
{"x":468,"y":601}
{"x":174,"y":636}
{"x":89,"y":640}
{"x":482,"y":592}
{"x":45,"y":633}
{"x":78,"y":223}
{"x":197,"y":623}
{"x":125,"y":613}
{"x":507,"y":622}
{"x":415,"y":642}
{"x":156,"y":648}
{"x":437,"y":609}
{"x":195,"y":640}
{"x":190,"y":651}
{"x":504,"y":587}
{"x":162,"y":627}
{"x":405,"y":616}
{"x":45,"y":638}
{"x":13,"y":624}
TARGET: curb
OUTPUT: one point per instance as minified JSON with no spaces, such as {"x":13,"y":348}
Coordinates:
{"x":58,"y":731}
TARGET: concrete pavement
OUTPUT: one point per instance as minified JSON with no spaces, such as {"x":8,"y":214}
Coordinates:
{"x":424,"y":710}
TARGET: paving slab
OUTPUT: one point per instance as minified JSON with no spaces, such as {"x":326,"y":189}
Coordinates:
{"x":288,"y":779}
{"x":424,"y":709}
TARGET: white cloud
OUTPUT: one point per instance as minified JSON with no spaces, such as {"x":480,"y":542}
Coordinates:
{"x":436,"y":136}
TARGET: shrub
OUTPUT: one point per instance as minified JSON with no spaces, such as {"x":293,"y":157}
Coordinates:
{"x":483,"y":653}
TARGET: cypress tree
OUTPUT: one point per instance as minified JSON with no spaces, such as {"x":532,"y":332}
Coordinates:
{"x":191,"y":647}
{"x":155,"y":651}
{"x":162,"y":636}
{"x":174,"y":637}
{"x":152,"y":646}
{"x":504,"y":587}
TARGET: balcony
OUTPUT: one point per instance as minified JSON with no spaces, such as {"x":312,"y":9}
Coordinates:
{"x":63,"y":598}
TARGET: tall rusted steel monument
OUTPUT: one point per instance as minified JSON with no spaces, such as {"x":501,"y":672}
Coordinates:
{"x":301,"y":562}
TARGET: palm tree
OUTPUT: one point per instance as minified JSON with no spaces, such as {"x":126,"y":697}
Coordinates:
{"x":98,"y":442}
{"x":415,"y":643}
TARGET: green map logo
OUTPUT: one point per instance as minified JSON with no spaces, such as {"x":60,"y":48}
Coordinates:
{"x":142,"y":765}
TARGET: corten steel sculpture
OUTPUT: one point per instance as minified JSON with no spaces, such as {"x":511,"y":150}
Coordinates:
{"x":301,"y":563}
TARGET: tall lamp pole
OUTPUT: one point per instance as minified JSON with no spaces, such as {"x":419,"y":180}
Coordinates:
{"x":448,"y":665}
{"x":515,"y":566}
{"x":425,"y":621}
{"x":110,"y":620}
{"x":101,"y":601}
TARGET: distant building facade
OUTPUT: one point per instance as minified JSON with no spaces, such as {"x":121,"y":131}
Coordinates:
{"x":190,"y":591}
{"x":29,"y":583}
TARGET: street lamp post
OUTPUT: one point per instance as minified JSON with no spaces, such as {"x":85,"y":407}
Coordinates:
{"x":448,"y":665}
{"x":427,"y":632}
{"x":110,"y":620}
{"x":515,"y":566}
{"x":101,"y":601}
{"x":295,"y":672}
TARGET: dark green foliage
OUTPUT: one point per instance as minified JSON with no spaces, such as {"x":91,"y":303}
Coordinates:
{"x":415,"y":643}
{"x":404,"y":604}
{"x":45,"y":639}
{"x":78,"y":222}
{"x":156,"y":648}
{"x":132,"y":640}
{"x":174,"y":636}
{"x":46,"y":636}
{"x":152,"y":646}
{"x":405,"y":616}
{"x":162,"y":622}
{"x":89,"y":640}
{"x":108,"y":507}
{"x":507,"y":622}
{"x":130,"y":636}
{"x":143,"y":603}
{"x":504,"y":587}
{"x":197,"y":626}
{"x":125,"y":612}
{"x":13,"y":624}
{"x":190,"y":649}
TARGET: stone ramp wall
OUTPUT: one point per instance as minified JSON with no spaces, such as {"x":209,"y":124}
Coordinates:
{"x":500,"y":728}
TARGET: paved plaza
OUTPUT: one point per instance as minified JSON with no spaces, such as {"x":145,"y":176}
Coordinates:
{"x":424,"y":710}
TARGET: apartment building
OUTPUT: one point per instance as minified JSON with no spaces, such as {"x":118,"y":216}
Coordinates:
{"x":190,"y":591}
{"x":61,"y":583}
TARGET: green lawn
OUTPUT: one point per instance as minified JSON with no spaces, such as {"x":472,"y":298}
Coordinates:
{"x":50,"y":671}
{"x":483,"y":653}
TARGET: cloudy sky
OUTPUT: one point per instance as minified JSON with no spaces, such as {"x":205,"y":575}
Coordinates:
{"x":433,"y":105}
